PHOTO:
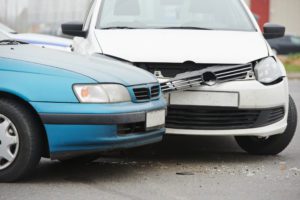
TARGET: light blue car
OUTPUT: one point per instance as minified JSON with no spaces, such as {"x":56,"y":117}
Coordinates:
{"x":68,"y":107}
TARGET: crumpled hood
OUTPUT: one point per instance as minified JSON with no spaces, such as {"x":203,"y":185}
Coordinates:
{"x":178,"y":46}
{"x":97,"y":67}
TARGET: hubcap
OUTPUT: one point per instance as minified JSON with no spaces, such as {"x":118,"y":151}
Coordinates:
{"x":9,"y":142}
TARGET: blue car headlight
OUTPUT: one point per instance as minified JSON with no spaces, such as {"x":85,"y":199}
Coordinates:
{"x":101,"y":93}
{"x":268,"y":70}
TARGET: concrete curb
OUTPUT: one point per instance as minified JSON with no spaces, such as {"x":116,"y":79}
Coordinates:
{"x":294,"y":76}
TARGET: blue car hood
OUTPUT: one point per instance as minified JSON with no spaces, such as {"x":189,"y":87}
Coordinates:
{"x":100,"y":68}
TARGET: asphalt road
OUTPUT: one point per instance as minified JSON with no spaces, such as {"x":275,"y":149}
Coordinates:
{"x":185,"y":168}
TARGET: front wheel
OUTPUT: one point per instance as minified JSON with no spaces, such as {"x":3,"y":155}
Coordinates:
{"x":20,"y":144}
{"x":272,"y":145}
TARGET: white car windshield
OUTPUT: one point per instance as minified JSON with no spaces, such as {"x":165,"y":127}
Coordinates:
{"x":168,"y":14}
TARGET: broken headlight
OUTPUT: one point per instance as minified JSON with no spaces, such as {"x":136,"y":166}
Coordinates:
{"x":268,"y":71}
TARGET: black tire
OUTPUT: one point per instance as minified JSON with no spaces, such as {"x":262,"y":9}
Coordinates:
{"x":274,"y":144}
{"x":80,"y":160}
{"x":29,"y":141}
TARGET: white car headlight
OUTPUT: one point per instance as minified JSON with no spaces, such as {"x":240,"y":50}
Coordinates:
{"x":268,"y":70}
{"x":102,"y":93}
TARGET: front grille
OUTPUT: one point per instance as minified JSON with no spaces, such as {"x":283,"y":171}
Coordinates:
{"x":234,"y":73}
{"x":199,"y":118}
{"x":155,"y":91}
{"x":146,"y":93}
{"x":211,"y":76}
{"x":141,"y":94}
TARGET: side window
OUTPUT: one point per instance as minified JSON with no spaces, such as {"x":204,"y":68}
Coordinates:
{"x":88,"y":17}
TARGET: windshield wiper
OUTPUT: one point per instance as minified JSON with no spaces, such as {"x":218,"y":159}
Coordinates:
{"x":118,"y":27}
{"x":11,"y":42}
{"x":186,"y":27}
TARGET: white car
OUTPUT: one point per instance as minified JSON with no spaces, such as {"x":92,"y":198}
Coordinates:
{"x":47,"y":41}
{"x":249,"y":99}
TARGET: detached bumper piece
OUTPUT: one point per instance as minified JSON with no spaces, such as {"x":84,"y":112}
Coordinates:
{"x":197,"y":118}
{"x":208,"y":76}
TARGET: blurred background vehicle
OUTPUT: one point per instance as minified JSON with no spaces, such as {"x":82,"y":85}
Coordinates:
{"x":288,"y":44}
{"x":47,"y":41}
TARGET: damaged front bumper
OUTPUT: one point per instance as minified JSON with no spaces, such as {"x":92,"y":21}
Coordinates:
{"x":240,"y":106}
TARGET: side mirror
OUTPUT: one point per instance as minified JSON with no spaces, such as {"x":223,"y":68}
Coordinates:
{"x":73,"y":29}
{"x":273,"y":31}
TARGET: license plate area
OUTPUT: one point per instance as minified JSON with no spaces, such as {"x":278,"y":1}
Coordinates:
{"x":155,"y":119}
{"x":205,"y":98}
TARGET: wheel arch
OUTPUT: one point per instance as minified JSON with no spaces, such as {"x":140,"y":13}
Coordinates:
{"x":21,"y":99}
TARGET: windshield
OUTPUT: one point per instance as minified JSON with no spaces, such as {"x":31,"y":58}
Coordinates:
{"x":198,"y":14}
